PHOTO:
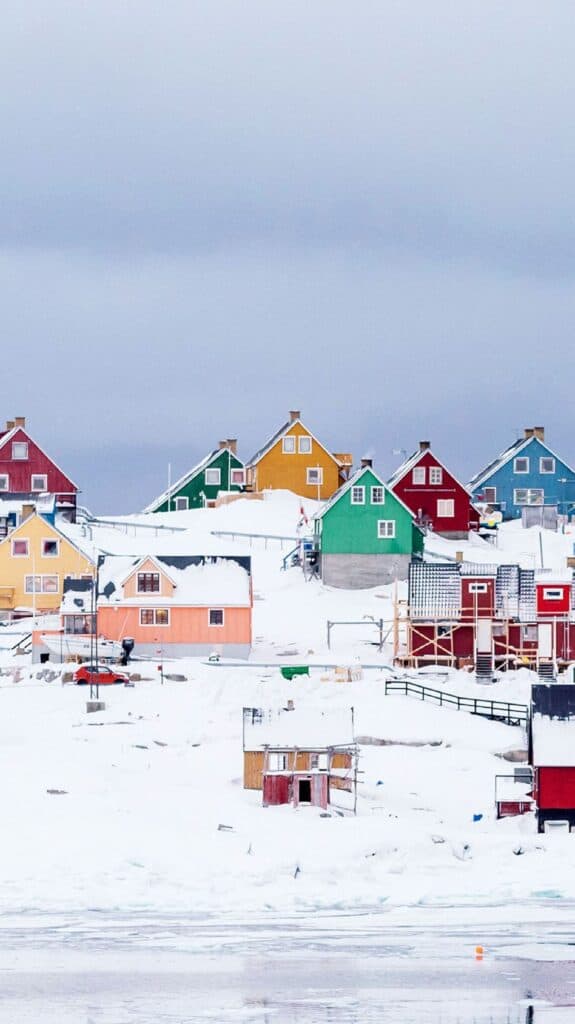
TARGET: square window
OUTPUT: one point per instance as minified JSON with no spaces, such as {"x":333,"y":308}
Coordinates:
{"x":521,"y":465}
{"x":39,"y":482}
{"x":33,"y":584}
{"x":182,"y":503}
{"x":162,"y":616}
{"x":148,"y":583}
{"x":19,"y":451}
{"x":418,"y":475}
{"x":288,"y":445}
{"x":478,"y":588}
{"x":304,"y":444}
{"x":20,"y":548}
{"x":553,"y":593}
{"x":49,"y":584}
{"x":50,"y":548}
{"x":238,"y":477}
{"x":490,"y":495}
{"x":386,"y":528}
{"x":216,"y":617}
{"x":4,"y":482}
{"x":146,"y":616}
{"x":377,"y":496}
{"x":546,"y":465}
{"x":435,"y":475}
{"x":213,"y":477}
{"x":358,"y":495}
{"x":314,"y":475}
{"x":529,"y":632}
{"x":446,"y":508}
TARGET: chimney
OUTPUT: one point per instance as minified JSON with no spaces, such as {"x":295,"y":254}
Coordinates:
{"x":27,"y":511}
{"x":222,"y":444}
{"x":294,"y":415}
{"x":366,"y":463}
{"x":9,"y":424}
{"x":459,"y":556}
{"x":424,"y":446}
{"x":19,"y":421}
{"x":528,"y":432}
{"x":539,"y":433}
{"x":233,"y":445}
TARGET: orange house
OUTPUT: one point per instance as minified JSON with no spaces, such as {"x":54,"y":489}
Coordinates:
{"x":180,"y":605}
{"x":294,"y":460}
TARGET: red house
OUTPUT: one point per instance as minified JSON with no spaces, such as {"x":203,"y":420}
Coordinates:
{"x":552,"y":752}
{"x":439,"y":502}
{"x":26,"y":471}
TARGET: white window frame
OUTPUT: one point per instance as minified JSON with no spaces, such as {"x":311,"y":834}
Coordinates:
{"x":216,"y":625}
{"x":383,"y":529}
{"x":216,"y":472}
{"x":16,"y":446}
{"x":304,"y":449}
{"x":546,"y":458}
{"x":516,"y":460}
{"x":493,"y":500}
{"x":289,"y":446}
{"x":237,"y":483}
{"x":39,"y":476}
{"x":553,"y":593}
{"x":153,"y":572}
{"x":478,"y":588}
{"x":6,"y":486}
{"x":436,"y":476}
{"x":528,"y":632}
{"x":50,"y":540}
{"x":314,"y":469}
{"x":20,"y":540}
{"x":442,"y":502}
{"x":42,"y":589}
{"x":360,"y":500}
{"x":375,"y":489}
{"x":418,"y":477}
{"x":277,"y":762}
{"x":178,"y":506}
{"x":155,"y":624}
{"x":529,"y":491}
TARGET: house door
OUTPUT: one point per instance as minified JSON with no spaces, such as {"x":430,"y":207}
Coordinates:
{"x":484,"y":639}
{"x":545,"y":640}
{"x":319,"y":790}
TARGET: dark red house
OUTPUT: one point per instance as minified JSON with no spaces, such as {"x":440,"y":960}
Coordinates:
{"x":439,"y":502}
{"x":552,"y":752}
{"x":26,"y":471}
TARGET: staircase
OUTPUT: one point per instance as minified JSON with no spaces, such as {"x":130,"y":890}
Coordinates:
{"x":483,"y":667}
{"x":546,"y":671}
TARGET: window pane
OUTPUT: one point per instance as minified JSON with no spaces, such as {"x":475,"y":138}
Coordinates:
{"x":377,"y":496}
{"x":49,"y":584}
{"x":19,"y":450}
{"x":418,"y":475}
{"x":146,"y":616}
{"x":50,"y":548}
{"x":358,"y":495}
{"x":304,"y":445}
{"x":288,"y":445}
{"x":148,"y":583}
{"x":213,"y":476}
{"x":162,"y":617}
{"x":4,"y":482}
{"x":216,"y":617}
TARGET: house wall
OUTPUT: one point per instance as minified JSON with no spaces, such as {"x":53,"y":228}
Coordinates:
{"x":475,"y":605}
{"x":348,"y":529}
{"x":505,"y":480}
{"x":20,"y":471}
{"x":196,"y":489}
{"x":277,"y":469}
{"x":188,"y":628}
{"x":422,"y":500}
{"x":13,"y":569}
{"x":254,"y":763}
{"x":555,"y":787}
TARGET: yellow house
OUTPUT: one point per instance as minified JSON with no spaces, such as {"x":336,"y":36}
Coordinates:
{"x":294,"y":459}
{"x":34,"y":561}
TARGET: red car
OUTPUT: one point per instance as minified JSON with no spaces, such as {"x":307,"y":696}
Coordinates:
{"x":101,"y":675}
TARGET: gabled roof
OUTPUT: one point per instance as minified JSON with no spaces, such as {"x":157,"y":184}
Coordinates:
{"x":353,"y":482}
{"x":9,"y":434}
{"x":510,"y":452}
{"x":185,"y":479}
{"x":49,"y":526}
{"x":141,"y":561}
{"x":199,"y":580}
{"x":412,"y":461}
{"x":279,"y":434}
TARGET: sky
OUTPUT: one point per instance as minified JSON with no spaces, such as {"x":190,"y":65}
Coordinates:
{"x":212,"y":213}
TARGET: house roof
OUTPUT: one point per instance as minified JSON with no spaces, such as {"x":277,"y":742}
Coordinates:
{"x":9,"y":434}
{"x":353,"y":482}
{"x":305,"y":728}
{"x":553,"y":741}
{"x":412,"y":461}
{"x":200,"y":580}
{"x":279,"y":434}
{"x":185,"y":479}
{"x":510,"y":452}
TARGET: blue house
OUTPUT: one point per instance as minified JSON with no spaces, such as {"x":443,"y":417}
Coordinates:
{"x":526,"y":473}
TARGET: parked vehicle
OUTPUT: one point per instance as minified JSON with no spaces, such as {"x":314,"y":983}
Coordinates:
{"x":101,"y":675}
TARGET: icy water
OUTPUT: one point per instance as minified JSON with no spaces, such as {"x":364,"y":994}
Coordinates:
{"x":99,"y":969}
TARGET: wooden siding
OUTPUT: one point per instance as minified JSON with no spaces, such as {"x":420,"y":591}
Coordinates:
{"x":422,"y":499}
{"x":348,"y":529}
{"x":279,"y":470}
{"x":20,"y":470}
{"x":187,"y":625}
{"x":13,"y":570}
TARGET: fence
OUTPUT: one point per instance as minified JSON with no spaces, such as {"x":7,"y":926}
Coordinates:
{"x":501,"y":711}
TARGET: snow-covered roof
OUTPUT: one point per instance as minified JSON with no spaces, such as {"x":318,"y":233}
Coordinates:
{"x":305,"y":728}
{"x":199,"y":580}
{"x":553,"y":742}
{"x":412,"y":461}
{"x":77,"y":598}
{"x":191,"y":473}
{"x":279,"y":434}
{"x":513,"y":450}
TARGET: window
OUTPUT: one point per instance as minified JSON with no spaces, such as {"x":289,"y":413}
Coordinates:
{"x":304,"y":444}
{"x":19,"y":451}
{"x":80,"y":624}
{"x":418,"y":475}
{"x":288,"y":445}
{"x":4,"y":482}
{"x":182,"y":503}
{"x":445,"y":508}
{"x":154,"y":616}
{"x":546,"y":465}
{"x":277,"y":762}
{"x":318,"y":761}
{"x":213,"y":477}
{"x":50,"y":548}
{"x":314,"y":475}
{"x":529,"y":632}
{"x":385,"y":528}
{"x":148,"y":583}
{"x":521,"y":465}
{"x":490,"y":495}
{"x":20,"y":548}
{"x":41,"y":584}
{"x":528,"y":496}
{"x":238,"y":477}
{"x":553,"y":593}
{"x":358,"y":495}
{"x":435,"y":475}
{"x":377,"y":496}
{"x":39,"y":482}
{"x":478,"y":588}
{"x":216,"y":617}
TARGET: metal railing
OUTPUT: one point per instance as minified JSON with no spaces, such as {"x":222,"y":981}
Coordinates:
{"x":497,"y":710}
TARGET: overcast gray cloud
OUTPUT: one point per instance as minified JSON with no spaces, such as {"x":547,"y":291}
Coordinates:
{"x":214,"y":212}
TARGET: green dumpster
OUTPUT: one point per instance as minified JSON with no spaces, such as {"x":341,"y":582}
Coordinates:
{"x":289,"y":671}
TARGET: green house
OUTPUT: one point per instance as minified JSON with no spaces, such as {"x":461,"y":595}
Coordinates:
{"x":221,"y":470}
{"x":365,"y":535}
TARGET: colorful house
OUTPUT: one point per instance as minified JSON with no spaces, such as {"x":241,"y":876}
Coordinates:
{"x":437,"y":499}
{"x":179,"y":605}
{"x":221,"y":470}
{"x":35,"y":559}
{"x":27,"y":472}
{"x":526,"y":473}
{"x":365,"y":535}
{"x":552,"y":754}
{"x":294,"y":460}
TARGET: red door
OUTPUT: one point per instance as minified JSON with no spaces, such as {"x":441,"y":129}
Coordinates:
{"x":276,"y":790}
